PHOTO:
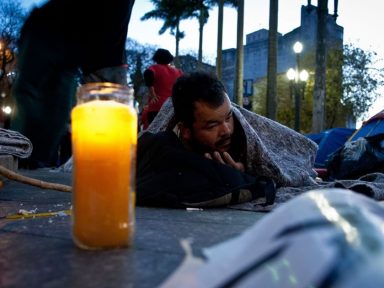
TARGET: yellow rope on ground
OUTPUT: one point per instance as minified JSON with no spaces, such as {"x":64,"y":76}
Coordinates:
{"x":28,"y":215}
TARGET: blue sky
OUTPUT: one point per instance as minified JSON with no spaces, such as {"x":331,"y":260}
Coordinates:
{"x":361,"y":23}
{"x":362,"y":26}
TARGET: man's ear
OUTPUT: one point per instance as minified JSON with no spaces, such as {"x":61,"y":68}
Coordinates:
{"x":185,"y":132}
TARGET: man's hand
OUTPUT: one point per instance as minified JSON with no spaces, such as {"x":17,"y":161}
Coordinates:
{"x":152,"y":95}
{"x":154,"y":99}
{"x":225,"y":159}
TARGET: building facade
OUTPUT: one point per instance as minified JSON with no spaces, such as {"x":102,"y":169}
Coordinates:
{"x":256,"y":49}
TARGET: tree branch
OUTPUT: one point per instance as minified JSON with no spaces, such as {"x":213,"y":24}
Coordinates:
{"x":34,"y":182}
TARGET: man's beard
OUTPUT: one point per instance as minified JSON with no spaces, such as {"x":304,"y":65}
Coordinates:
{"x":202,"y":148}
{"x":224,"y":142}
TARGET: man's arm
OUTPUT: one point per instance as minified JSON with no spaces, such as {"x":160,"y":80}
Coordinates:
{"x":149,"y":78}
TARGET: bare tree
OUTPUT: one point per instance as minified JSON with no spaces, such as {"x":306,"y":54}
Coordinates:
{"x":221,"y":3}
{"x":272,"y":59}
{"x":320,"y":74}
{"x":239,"y":54}
{"x":219,"y":58}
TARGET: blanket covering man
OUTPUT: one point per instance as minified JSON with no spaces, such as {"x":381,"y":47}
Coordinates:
{"x":168,"y":174}
{"x":273,"y":150}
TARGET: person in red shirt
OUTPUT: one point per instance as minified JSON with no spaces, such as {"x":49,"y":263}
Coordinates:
{"x":159,"y":78}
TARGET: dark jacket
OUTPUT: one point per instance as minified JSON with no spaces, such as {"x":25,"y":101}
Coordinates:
{"x":171,"y":176}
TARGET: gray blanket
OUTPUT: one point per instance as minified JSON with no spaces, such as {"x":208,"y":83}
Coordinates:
{"x":14,"y":143}
{"x":278,"y":152}
{"x":273,"y":150}
{"x":370,"y":185}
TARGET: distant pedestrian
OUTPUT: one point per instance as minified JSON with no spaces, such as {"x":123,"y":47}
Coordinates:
{"x":159,"y":78}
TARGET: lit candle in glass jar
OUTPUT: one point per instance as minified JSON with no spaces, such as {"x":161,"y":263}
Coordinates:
{"x":104,"y":138}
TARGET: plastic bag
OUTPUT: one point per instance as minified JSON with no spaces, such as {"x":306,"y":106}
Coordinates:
{"x":357,"y":158}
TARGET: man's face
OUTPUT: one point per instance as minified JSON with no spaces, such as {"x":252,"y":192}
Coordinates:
{"x":212,"y":129}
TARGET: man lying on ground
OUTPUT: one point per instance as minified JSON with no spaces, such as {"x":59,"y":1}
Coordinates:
{"x":203,"y":150}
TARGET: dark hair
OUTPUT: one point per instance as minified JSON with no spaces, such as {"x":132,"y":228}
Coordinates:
{"x":162,"y":56}
{"x":193,"y":87}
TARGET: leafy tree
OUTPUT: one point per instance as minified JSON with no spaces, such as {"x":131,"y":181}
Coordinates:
{"x":202,"y":8}
{"x":285,"y":109}
{"x":336,"y":113}
{"x":137,"y":77}
{"x":12,"y":18}
{"x":172,"y":13}
{"x":194,"y":54}
{"x":360,"y":79}
{"x":139,"y":57}
{"x":351,"y":84}
{"x":134,"y":49}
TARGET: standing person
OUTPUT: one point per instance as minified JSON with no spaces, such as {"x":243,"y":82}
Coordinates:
{"x":62,"y":42}
{"x":159,"y":78}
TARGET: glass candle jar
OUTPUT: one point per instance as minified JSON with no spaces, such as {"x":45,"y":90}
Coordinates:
{"x":104,"y":139}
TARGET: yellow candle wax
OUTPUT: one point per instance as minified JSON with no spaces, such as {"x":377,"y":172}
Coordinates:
{"x":104,"y":137}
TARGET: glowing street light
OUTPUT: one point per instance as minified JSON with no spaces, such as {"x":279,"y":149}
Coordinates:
{"x":291,"y":74}
{"x":297,"y":79}
{"x":298,"y":47}
{"x":304,"y":75}
{"x":7,"y":110}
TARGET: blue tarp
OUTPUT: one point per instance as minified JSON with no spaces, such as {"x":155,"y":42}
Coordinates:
{"x":329,"y":141}
{"x":372,"y":127}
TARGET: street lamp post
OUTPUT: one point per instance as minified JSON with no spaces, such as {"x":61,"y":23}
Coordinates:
{"x":297,"y":78}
